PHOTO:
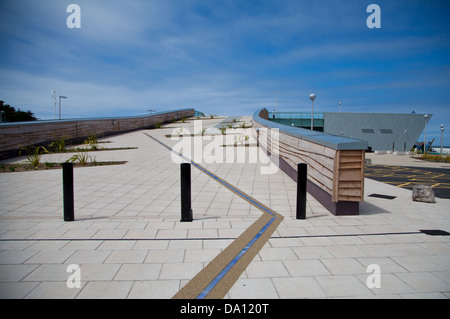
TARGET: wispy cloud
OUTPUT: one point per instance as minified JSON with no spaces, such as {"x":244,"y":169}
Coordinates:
{"x":224,"y":56}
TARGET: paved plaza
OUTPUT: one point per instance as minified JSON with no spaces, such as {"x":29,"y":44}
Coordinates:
{"x":129,"y":242}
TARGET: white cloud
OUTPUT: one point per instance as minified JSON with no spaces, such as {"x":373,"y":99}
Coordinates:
{"x":220,"y":56}
{"x":215,"y":94}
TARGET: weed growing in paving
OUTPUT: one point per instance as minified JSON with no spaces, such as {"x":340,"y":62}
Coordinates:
{"x":223,"y":130}
{"x":82,"y":158}
{"x":59,"y":144}
{"x":33,"y":155}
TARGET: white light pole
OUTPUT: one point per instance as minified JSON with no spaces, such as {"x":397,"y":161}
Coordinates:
{"x":276,"y":92}
{"x":312,"y":96}
{"x":61,"y":97}
{"x":442,"y":136}
{"x":340,"y":104}
{"x":425,"y":140}
{"x":54,"y":100}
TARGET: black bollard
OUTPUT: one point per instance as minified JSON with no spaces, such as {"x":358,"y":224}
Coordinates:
{"x":302,"y":176}
{"x":257,"y":137}
{"x":68,"y":192}
{"x":186,"y":211}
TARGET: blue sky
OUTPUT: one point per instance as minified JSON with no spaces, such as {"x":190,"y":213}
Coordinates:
{"x":227,"y":57}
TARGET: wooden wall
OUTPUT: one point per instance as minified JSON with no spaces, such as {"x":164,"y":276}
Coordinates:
{"x":348,"y":176}
{"x":336,"y":176}
{"x":14,"y":136}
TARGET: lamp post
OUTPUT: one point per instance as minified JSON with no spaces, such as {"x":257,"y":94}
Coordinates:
{"x":312,"y":96}
{"x":276,"y":92}
{"x":54,"y":100}
{"x":61,"y":97}
{"x":425,"y":140}
{"x":442,"y":136}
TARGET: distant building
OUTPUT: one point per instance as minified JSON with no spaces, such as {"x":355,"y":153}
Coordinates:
{"x":382,"y":131}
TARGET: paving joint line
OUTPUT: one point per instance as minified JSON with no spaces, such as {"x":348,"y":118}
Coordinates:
{"x":211,"y":238}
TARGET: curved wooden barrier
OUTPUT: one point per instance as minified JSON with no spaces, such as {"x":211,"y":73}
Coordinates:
{"x":335,"y":163}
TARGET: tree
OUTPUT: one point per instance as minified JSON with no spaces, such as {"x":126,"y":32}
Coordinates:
{"x":9,"y":114}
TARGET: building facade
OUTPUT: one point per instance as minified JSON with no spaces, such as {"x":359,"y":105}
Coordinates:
{"x":382,"y":131}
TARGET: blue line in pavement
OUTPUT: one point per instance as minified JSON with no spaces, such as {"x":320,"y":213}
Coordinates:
{"x":222,"y":274}
{"x":230,"y":265}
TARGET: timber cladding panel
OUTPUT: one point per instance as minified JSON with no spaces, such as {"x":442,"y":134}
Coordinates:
{"x":335,"y":173}
{"x":349,"y":176}
{"x":320,"y":160}
{"x":14,"y":136}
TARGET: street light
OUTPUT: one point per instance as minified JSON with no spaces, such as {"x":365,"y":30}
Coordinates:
{"x":276,"y":92}
{"x":442,"y":136}
{"x":61,"y":97}
{"x":425,"y":140}
{"x":312,"y":96}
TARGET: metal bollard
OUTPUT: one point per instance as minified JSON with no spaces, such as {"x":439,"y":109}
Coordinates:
{"x":186,"y":210}
{"x":257,"y":137}
{"x":302,"y":176}
{"x":68,"y":192}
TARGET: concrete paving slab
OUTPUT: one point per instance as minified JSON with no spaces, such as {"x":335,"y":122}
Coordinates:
{"x":129,"y":242}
